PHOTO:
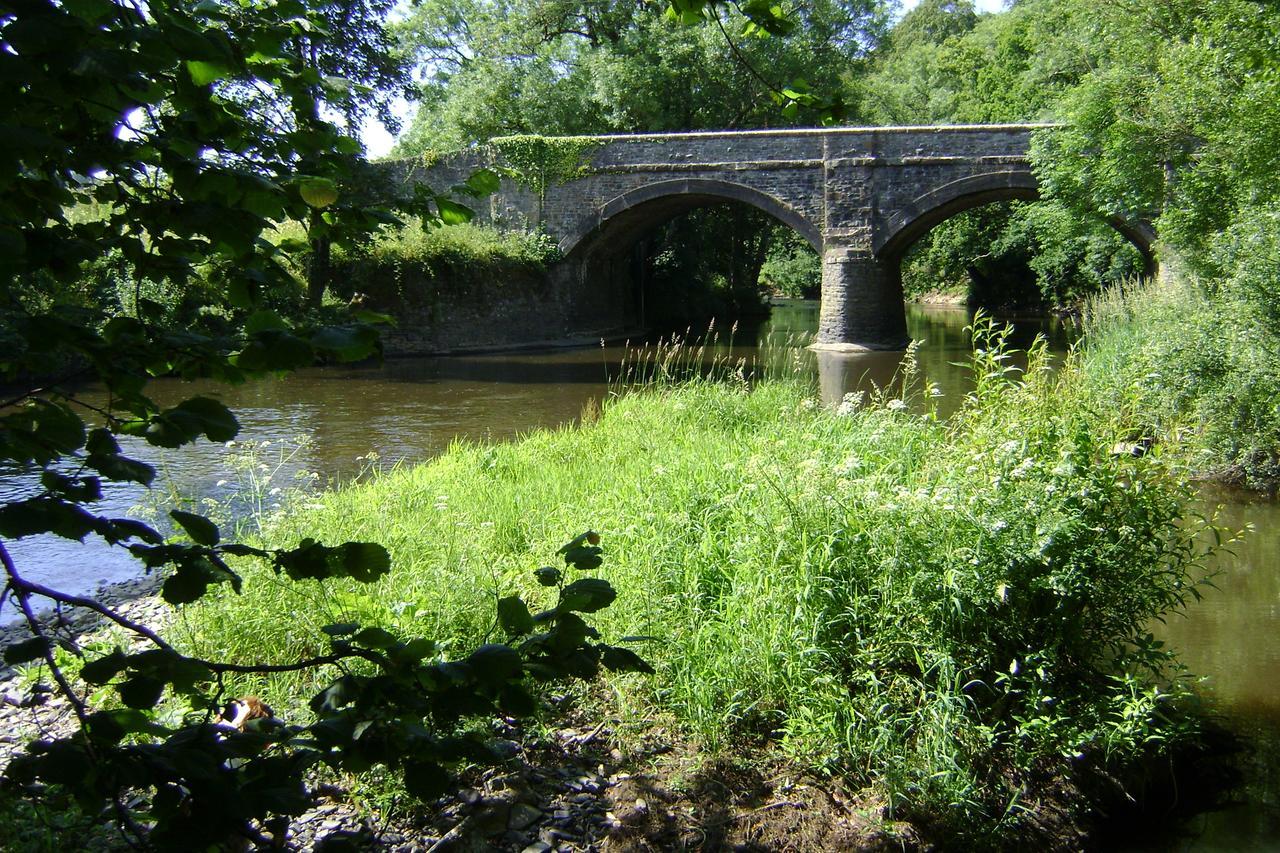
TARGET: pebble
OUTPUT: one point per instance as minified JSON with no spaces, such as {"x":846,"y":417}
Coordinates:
{"x":524,"y":815}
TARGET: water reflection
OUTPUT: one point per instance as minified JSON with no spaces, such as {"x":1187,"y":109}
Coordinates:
{"x":1232,"y":639}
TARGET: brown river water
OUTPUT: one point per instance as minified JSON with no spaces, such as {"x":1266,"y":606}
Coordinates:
{"x":408,"y":410}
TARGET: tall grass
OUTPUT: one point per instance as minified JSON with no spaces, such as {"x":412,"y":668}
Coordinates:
{"x":933,"y":608}
{"x":1196,"y":369}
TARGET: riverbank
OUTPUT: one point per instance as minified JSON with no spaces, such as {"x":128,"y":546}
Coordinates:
{"x":675,"y":467}
{"x":865,"y":592}
{"x":1196,"y":370}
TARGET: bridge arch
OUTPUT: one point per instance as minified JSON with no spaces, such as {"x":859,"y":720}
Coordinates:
{"x":629,"y":215}
{"x":912,"y":221}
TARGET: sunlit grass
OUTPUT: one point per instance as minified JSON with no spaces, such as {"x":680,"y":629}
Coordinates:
{"x":876,"y":591}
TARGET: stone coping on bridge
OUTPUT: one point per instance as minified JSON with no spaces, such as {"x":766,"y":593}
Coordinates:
{"x":804,"y":131}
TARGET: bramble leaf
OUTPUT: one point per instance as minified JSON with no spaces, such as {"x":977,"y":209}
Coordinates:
{"x":514,"y":616}
{"x":201,"y":530}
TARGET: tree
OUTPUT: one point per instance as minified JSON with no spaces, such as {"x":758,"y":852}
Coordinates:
{"x":943,"y":63}
{"x":176,"y":136}
{"x":610,"y":66}
{"x":1179,"y":125}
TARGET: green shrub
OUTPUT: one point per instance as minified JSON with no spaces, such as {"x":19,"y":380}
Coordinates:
{"x":406,"y":265}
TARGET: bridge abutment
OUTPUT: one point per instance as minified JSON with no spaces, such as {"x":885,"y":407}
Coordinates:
{"x":862,"y":306}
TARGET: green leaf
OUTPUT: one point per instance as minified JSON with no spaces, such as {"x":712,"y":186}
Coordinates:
{"x":348,"y":343}
{"x":336,"y":695}
{"x":516,"y":700}
{"x":196,"y":572}
{"x":186,"y":422}
{"x":40,"y":432}
{"x":113,"y":466}
{"x":341,"y":629}
{"x":481,"y":182}
{"x":264,"y":320}
{"x":120,"y":529}
{"x":275,"y":349}
{"x":416,"y":649}
{"x":375,"y":318}
{"x":203,"y":73}
{"x":624,"y":660}
{"x":452,"y":213}
{"x":78,"y":489}
{"x":46,"y":515}
{"x":514,"y":616}
{"x":494,"y":663}
{"x":548,"y":575}
{"x":590,"y":537}
{"x":569,"y":633}
{"x":103,"y":669}
{"x":141,"y":691}
{"x":27,"y":650}
{"x":376,"y":638}
{"x":426,"y":780}
{"x":365,"y":561}
{"x":584,"y":557}
{"x":587,"y":595}
{"x":318,"y":192}
{"x":201,"y":530}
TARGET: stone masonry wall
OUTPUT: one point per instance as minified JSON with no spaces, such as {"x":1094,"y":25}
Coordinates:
{"x":846,"y":182}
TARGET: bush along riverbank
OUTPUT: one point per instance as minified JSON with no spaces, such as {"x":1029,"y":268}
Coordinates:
{"x":946,"y":617}
{"x":1195,"y":366}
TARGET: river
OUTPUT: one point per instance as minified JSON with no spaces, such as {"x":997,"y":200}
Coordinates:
{"x":338,"y":421}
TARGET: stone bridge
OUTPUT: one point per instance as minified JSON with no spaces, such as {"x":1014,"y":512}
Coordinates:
{"x":860,"y":195}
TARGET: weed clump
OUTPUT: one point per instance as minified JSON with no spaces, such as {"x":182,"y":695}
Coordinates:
{"x":1194,"y":369}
